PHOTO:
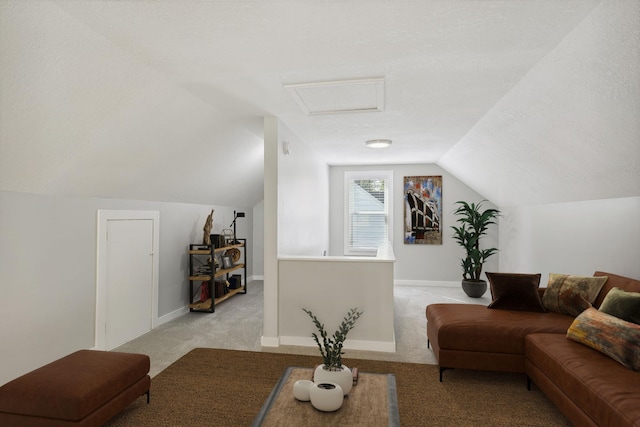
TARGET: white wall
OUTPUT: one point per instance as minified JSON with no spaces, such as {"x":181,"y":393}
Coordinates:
{"x":330,"y":287}
{"x":303,"y":199}
{"x":257,"y":259}
{"x":572,"y":238}
{"x":415,"y":264}
{"x":296,"y":208}
{"x":272,"y":146}
{"x":48,"y":270}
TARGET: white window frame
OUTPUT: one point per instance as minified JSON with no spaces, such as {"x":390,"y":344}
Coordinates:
{"x":367,"y":174}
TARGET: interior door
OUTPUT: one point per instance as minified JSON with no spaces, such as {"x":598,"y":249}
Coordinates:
{"x":129,"y":280}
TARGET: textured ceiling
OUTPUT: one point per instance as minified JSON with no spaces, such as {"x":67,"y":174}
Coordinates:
{"x":532,"y":101}
{"x":570,"y":129}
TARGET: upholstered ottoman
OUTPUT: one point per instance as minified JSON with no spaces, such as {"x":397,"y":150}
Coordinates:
{"x":85,"y":388}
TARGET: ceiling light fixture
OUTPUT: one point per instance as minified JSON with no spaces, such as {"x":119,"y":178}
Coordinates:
{"x":378,"y":143}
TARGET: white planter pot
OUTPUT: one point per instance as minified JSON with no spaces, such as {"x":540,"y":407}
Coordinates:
{"x":326,"y":397}
{"x":341,"y":377}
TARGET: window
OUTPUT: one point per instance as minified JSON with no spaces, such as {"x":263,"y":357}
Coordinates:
{"x":367,"y":211}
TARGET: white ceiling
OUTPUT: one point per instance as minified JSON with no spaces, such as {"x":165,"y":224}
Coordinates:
{"x":527,"y":101}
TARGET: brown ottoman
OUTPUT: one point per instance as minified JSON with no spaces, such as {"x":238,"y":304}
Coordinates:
{"x":85,"y":388}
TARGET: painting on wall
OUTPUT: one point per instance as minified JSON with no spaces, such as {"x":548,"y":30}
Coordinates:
{"x":423,"y":210}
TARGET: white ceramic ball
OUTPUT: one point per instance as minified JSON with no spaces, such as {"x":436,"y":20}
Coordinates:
{"x":302,"y":390}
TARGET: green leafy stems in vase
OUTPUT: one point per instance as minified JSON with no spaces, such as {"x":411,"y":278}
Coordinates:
{"x":331,"y":347}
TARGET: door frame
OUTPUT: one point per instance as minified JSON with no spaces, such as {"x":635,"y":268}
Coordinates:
{"x":103,"y":216}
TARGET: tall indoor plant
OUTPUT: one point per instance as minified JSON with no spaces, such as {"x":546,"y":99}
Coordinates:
{"x":473,"y":223}
{"x":332,"y":369}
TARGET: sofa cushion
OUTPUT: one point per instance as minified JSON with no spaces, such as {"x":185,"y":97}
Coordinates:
{"x":615,"y":281}
{"x":571,"y":295}
{"x":610,"y":335}
{"x":515,"y":291}
{"x":622,"y":304}
{"x":474,"y":328}
{"x":604,"y":389}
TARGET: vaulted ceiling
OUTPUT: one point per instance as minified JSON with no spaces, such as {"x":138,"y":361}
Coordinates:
{"x":526,"y":101}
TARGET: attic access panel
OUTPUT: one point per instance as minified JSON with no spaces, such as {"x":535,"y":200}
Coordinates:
{"x":338,"y":97}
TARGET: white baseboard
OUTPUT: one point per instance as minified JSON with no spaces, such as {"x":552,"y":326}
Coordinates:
{"x":269,"y":341}
{"x":256,"y":277}
{"x":170,"y":316}
{"x":350,"y":344}
{"x":430,"y":283}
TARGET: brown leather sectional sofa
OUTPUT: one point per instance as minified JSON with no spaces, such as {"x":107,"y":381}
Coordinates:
{"x":588,"y":387}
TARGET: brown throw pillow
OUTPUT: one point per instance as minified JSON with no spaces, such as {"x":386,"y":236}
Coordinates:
{"x":614,"y":337}
{"x":571,"y":294}
{"x":515,"y":291}
{"x":622,"y":304}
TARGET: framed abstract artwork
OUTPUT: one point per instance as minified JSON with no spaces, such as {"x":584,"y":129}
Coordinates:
{"x":423,"y":210}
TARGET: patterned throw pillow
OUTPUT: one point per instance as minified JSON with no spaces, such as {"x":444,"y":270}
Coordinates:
{"x":515,"y":291}
{"x":622,"y":304}
{"x":614,"y":337}
{"x":571,"y":294}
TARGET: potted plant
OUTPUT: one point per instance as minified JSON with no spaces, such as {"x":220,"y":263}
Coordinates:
{"x":473,"y":224}
{"x":332,"y":370}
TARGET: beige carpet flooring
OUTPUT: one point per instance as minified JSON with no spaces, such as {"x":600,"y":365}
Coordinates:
{"x":237,"y":325}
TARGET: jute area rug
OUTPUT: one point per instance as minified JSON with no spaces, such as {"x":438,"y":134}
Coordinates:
{"x":211,"y":387}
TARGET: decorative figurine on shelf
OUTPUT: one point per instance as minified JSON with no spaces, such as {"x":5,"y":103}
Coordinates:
{"x":208,"y":225}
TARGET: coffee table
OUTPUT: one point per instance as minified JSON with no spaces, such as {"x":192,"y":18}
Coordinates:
{"x":372,"y":402}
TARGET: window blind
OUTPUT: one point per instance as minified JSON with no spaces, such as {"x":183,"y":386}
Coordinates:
{"x":367,"y":213}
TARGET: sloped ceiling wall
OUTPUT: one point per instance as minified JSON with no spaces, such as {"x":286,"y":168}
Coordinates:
{"x":526,"y":101}
{"x":570,"y":129}
{"x":80,"y":116}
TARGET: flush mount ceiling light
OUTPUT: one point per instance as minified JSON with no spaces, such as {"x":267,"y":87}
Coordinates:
{"x":378,"y":143}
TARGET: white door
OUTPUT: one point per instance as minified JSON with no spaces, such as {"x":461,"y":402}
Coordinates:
{"x":129,"y":280}
{"x":127,"y":276}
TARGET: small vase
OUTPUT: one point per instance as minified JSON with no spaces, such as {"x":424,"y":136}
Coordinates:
{"x":341,"y":376}
{"x":302,"y":390}
{"x":326,"y":397}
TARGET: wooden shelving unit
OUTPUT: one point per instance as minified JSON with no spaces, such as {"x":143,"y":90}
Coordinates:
{"x":203,"y":270}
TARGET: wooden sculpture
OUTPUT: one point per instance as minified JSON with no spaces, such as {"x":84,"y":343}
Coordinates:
{"x":208,"y":225}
